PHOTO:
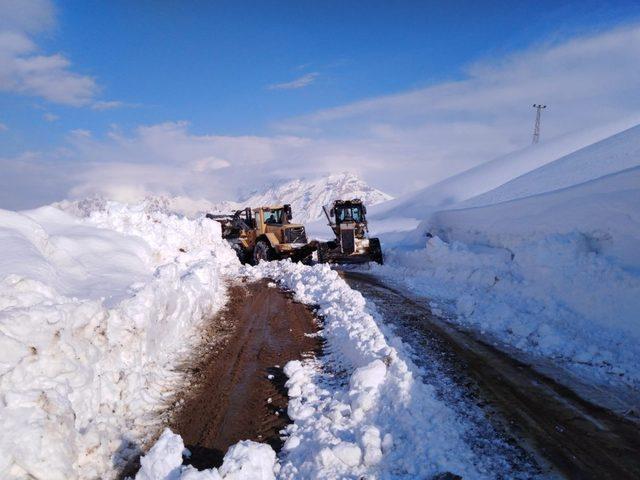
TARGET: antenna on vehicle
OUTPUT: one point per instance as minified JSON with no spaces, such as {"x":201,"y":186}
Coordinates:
{"x":536,"y":128}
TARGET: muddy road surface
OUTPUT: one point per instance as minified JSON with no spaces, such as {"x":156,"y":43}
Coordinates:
{"x":572,"y":437}
{"x":237,"y":385}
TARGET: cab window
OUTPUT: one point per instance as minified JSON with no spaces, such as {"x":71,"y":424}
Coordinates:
{"x":349,"y":214}
{"x":273,"y":216}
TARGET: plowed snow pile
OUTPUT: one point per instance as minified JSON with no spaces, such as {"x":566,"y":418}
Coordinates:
{"x":94,"y":314}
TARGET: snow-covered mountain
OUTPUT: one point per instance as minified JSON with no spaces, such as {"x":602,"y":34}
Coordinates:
{"x":308,"y":196}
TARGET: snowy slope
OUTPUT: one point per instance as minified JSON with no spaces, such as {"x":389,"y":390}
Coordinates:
{"x":603,"y":211}
{"x":610,"y":155}
{"x":308,"y":196}
{"x":492,"y":174}
{"x":94,"y":315}
{"x":548,"y":263}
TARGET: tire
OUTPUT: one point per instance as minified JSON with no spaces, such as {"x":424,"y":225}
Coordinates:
{"x":323,"y":249}
{"x":375,"y":250}
{"x":241,"y":253}
{"x":263,"y":251}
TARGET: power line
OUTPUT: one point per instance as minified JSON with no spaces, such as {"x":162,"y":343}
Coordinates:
{"x":536,"y":128}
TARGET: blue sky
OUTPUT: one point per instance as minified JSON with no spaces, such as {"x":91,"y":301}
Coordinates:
{"x":229,"y":68}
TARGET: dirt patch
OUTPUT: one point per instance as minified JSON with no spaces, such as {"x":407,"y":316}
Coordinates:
{"x":237,"y":387}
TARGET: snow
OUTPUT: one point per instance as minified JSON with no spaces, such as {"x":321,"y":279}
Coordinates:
{"x":164,"y":459}
{"x":492,"y":174}
{"x":308,"y":196}
{"x":176,"y":204}
{"x":613,"y":154}
{"x":362,"y":410}
{"x":246,"y":460}
{"x":547,"y":263}
{"x":94,"y":315}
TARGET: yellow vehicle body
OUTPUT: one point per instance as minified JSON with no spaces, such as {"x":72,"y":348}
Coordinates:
{"x":266,"y":233}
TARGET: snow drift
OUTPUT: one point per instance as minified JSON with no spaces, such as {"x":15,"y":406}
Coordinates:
{"x":613,"y":154}
{"x":548,"y":262}
{"x":94,"y":314}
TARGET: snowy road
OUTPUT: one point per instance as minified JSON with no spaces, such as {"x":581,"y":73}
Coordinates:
{"x":518,"y":413}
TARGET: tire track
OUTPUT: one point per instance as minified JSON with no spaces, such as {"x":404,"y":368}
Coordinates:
{"x":582,"y":440}
{"x":239,"y":391}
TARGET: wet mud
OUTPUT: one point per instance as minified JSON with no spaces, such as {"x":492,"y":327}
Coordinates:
{"x":237,"y":387}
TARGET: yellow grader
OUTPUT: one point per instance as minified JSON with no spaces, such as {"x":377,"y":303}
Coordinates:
{"x":352,"y":244}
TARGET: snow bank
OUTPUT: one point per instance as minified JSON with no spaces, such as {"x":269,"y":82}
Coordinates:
{"x":604,"y":211}
{"x":556,"y":274}
{"x":365,"y":413}
{"x":92,"y":322}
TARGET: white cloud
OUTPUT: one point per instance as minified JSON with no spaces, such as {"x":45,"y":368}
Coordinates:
{"x":79,"y":133}
{"x":31,"y":16}
{"x":31,"y":179}
{"x":24,"y":70}
{"x":427,"y":134}
{"x":208,"y":164}
{"x":50,"y":117}
{"x":168,"y":159}
{"x":396,"y":142}
{"x":107,"y":105}
{"x":300,"y":82}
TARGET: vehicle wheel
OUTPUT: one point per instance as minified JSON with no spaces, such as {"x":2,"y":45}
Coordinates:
{"x":242,"y":254}
{"x":323,"y":248}
{"x":376,"y":250}
{"x":263,"y":251}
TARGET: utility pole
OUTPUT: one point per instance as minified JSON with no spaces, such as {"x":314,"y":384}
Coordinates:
{"x":536,"y":128}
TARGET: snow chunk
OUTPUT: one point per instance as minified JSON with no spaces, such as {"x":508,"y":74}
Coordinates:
{"x":348,"y":453}
{"x":246,"y":460}
{"x":369,"y":377}
{"x":249,"y":460}
{"x":164,"y":459}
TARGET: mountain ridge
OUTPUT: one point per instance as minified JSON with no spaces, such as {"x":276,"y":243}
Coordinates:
{"x":307,"y":196}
